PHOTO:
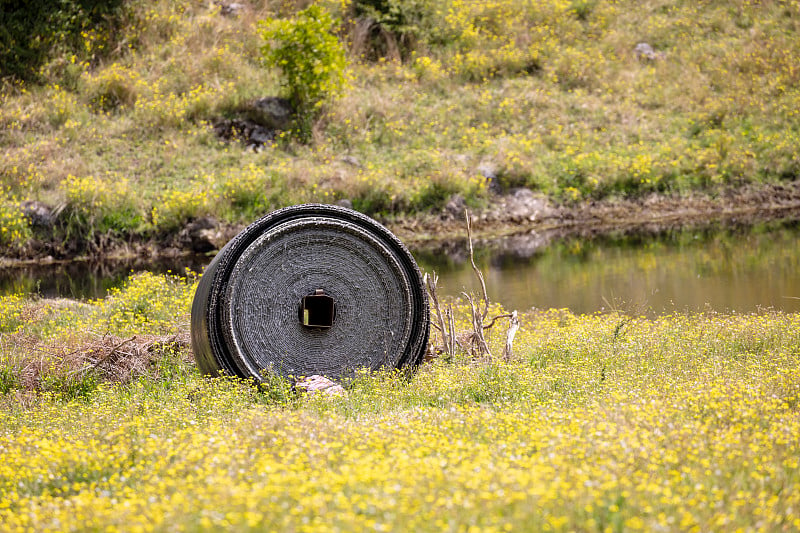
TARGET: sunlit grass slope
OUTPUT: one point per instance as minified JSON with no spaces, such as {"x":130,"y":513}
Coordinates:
{"x":549,"y":95}
{"x":597,"y":423}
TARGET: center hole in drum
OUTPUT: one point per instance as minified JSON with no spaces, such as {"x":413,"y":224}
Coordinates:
{"x":317,"y":310}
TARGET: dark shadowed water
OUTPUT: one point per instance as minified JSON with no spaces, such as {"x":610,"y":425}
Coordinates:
{"x":719,"y":269}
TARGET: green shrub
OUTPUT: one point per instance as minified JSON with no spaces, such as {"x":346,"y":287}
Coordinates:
{"x":14,"y":227}
{"x":9,"y":379}
{"x":146,"y":304}
{"x":177,"y":207}
{"x":112,"y":89}
{"x":31,"y":31}
{"x":391,"y":27}
{"x":252,"y":191}
{"x":99,"y":206}
{"x":11,"y":310}
{"x":311,"y":59}
{"x":68,"y":385}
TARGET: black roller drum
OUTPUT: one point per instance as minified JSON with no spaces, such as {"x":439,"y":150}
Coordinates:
{"x":310,"y":289}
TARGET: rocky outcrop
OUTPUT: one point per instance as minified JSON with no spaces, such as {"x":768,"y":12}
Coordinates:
{"x":271,"y":112}
{"x":230,"y":9}
{"x":319,"y":385}
{"x":258,"y":122}
{"x":454,"y":208}
{"x":643,"y":51}
{"x":520,"y":206}
{"x":202,"y":235}
{"x":40,"y":215}
{"x":249,"y":133}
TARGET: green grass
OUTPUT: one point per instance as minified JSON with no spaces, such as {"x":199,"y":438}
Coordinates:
{"x":596,"y":423}
{"x":549,"y":94}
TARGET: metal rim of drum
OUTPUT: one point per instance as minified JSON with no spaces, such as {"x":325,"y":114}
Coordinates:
{"x":245,"y":311}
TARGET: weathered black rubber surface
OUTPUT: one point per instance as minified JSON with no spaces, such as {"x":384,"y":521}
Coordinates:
{"x":245,"y":311}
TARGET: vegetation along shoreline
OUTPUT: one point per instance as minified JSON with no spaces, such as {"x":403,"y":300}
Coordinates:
{"x":150,"y":128}
{"x":518,"y":212}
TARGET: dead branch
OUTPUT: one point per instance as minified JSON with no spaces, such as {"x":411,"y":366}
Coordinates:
{"x":451,"y":322}
{"x":478,"y":344}
{"x":498,"y":317}
{"x":478,"y":273}
{"x":445,"y":329}
{"x":108,"y":357}
{"x":474,"y":341}
{"x":513,"y":326}
{"x":431,"y":281}
{"x":113,"y":351}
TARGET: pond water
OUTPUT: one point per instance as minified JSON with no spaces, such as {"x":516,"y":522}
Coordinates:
{"x":713,"y":269}
{"x":725,"y":269}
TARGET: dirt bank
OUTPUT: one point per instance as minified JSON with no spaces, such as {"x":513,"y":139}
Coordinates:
{"x":523,"y":212}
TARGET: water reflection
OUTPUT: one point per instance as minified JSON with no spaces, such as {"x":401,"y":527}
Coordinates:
{"x":721,"y":269}
{"x":84,"y":280}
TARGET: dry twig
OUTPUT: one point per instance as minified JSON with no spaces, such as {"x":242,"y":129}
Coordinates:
{"x":475,"y":340}
{"x":109,"y":358}
{"x":478,"y":344}
{"x":445,"y":325}
{"x":513,"y":326}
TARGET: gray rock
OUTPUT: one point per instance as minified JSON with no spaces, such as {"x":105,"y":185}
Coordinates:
{"x":644,"y":51}
{"x":455,"y":206}
{"x":253,"y":135}
{"x":272,"y":112}
{"x":319,"y":384}
{"x":202,"y":235}
{"x":38,"y":214}
{"x":344,"y":202}
{"x":350,"y":160}
{"x":522,"y":205}
{"x":489,"y":171}
{"x":230,"y":9}
{"x":258,"y":122}
{"x":260,"y":135}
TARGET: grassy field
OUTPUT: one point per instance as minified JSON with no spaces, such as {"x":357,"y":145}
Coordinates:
{"x":602,"y":422}
{"x":115,"y":130}
{"x":597,"y":423}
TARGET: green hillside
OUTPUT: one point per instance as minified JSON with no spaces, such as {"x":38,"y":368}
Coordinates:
{"x":109,"y":109}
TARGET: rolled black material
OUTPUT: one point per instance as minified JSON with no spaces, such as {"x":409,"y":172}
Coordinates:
{"x":310,"y":289}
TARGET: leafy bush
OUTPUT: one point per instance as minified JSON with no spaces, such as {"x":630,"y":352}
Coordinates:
{"x":177,"y":207}
{"x":146,"y":303}
{"x":311,"y":59}
{"x":8,"y":379}
{"x":30,"y":31}
{"x":111,"y":89}
{"x":11,"y":307}
{"x":14,"y":227}
{"x":392,"y":27}
{"x":100,"y":205}
{"x":251,"y":191}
